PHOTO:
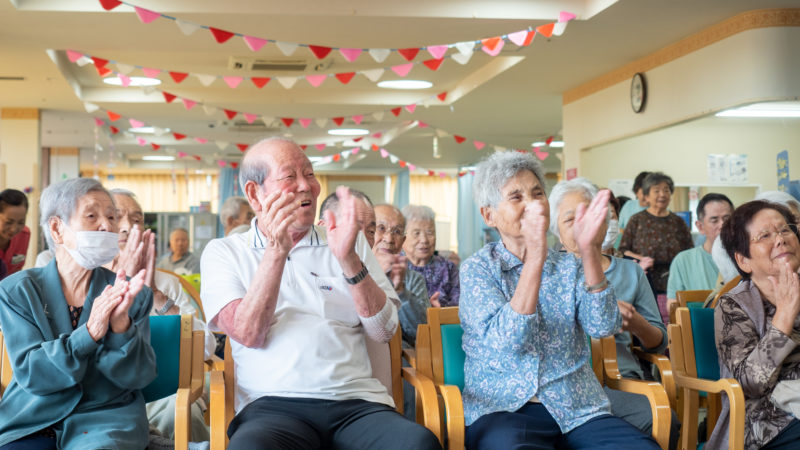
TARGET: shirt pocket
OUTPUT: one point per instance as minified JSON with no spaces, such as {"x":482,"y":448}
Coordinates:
{"x":337,"y":301}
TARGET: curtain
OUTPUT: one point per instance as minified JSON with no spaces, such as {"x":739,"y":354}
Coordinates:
{"x":228,"y":187}
{"x":402,"y":189}
{"x":470,"y":223}
{"x":441,"y":194}
{"x":168,"y":192}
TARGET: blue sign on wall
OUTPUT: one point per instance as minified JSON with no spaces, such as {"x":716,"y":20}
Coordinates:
{"x":783,"y":171}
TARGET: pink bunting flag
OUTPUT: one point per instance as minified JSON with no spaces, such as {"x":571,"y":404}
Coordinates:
{"x":145,"y":15}
{"x":182,"y":154}
{"x":542,"y":155}
{"x":377,"y":135}
{"x":151,"y":73}
{"x":496,"y":50}
{"x":564,"y":16}
{"x":437,"y":51}
{"x":320,"y":147}
{"x":355,"y":150}
{"x":200,"y":140}
{"x":73,"y":55}
{"x":98,"y":122}
{"x":124,"y":79}
{"x":479,"y":145}
{"x":442,"y":174}
{"x":518,"y":37}
{"x":135,"y":123}
{"x":250,"y":118}
{"x":350,"y":54}
{"x":316,"y":80}
{"x":188,"y":104}
{"x":422,"y":124}
{"x":221,"y":163}
{"x":357,"y":118}
{"x":410,"y":108}
{"x":232,"y":82}
{"x":254,"y":43}
{"x":384,"y":153}
{"x":411,"y":167}
{"x":403,"y":69}
{"x":304,"y":122}
{"x":141,"y":141}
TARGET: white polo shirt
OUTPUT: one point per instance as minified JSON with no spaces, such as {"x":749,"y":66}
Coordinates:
{"x":315,"y":347}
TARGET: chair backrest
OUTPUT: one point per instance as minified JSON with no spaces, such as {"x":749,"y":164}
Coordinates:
{"x":704,"y":343}
{"x":192,"y":289}
{"x":725,"y":288}
{"x":5,"y":367}
{"x":686,"y":297}
{"x":171,"y":339}
{"x":447,"y":354}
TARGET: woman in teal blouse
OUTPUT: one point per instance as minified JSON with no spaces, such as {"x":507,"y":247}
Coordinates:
{"x":77,"y":334}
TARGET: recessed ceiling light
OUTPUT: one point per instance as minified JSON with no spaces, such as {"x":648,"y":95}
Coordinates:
{"x":158,"y":158}
{"x":142,"y":130}
{"x":405,"y":84}
{"x":348,"y":132}
{"x":135,"y":81}
{"x":767,"y":109}
{"x":552,"y":144}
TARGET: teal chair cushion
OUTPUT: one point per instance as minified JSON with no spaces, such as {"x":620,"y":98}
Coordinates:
{"x":453,"y":355}
{"x":165,"y":337}
{"x":692,"y":305}
{"x":705,"y":346}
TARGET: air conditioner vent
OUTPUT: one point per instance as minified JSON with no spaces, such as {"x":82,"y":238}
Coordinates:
{"x":269,"y":65}
{"x":257,"y":126}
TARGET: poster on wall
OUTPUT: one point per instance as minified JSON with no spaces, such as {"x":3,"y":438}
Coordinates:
{"x":730,"y":168}
{"x":783,"y":171}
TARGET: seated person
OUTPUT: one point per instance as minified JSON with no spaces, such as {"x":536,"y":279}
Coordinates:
{"x":14,"y":235}
{"x":756,"y":324}
{"x":695,"y":269}
{"x":298,"y":303}
{"x":179,"y":260}
{"x":526,"y":311}
{"x":77,"y":335}
{"x":641,"y":321}
{"x":441,"y":275}
{"x":235,"y":215}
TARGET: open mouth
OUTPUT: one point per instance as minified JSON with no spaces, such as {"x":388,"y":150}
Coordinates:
{"x":305,"y":203}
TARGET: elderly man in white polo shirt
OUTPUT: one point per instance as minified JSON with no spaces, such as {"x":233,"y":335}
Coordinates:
{"x":298,"y":302}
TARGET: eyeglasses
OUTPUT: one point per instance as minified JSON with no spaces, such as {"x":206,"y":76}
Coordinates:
{"x":396,"y":231}
{"x":768,"y":236}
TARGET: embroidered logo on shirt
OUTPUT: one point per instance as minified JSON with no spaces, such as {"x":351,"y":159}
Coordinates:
{"x":18,"y":258}
{"x":326,"y":287}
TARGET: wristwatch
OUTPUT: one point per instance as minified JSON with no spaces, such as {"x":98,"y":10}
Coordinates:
{"x":167,"y":306}
{"x":359,"y":276}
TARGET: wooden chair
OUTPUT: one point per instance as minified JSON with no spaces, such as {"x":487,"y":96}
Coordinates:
{"x":686,"y":299}
{"x":5,"y":367}
{"x":223,"y":382}
{"x":725,"y":288}
{"x":191,"y":291}
{"x":664,"y":367}
{"x":693,"y":353}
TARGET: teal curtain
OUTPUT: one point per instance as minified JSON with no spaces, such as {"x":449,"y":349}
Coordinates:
{"x":401,"y":190}
{"x":228,"y":187}
{"x":470,"y":223}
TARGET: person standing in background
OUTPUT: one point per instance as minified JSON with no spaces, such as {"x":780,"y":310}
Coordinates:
{"x":14,"y":235}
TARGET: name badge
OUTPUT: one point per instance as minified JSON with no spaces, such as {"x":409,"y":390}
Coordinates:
{"x":16,"y":259}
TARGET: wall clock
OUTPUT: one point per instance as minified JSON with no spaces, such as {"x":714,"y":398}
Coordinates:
{"x":638,"y":92}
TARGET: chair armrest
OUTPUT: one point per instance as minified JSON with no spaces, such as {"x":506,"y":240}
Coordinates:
{"x":659,"y":404}
{"x":454,"y":415}
{"x":219,"y":423}
{"x":735,"y":394}
{"x":427,"y":402}
{"x":215,"y":363}
{"x":183,"y":412}
{"x":664,"y":369}
{"x":410,"y":355}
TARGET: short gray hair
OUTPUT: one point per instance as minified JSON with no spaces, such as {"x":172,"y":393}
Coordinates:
{"x":121,"y":191}
{"x":231,"y":207}
{"x":331,"y":202}
{"x":560,"y":190}
{"x":655,"y":178}
{"x":493,"y":173}
{"x":257,"y":171}
{"x":783,"y":198}
{"x":418,"y":212}
{"x":61,"y":199}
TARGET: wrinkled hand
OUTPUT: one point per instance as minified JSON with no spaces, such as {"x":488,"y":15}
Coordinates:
{"x":139,"y":253}
{"x":120,"y":320}
{"x":276,"y":214}
{"x":629,"y":315}
{"x":534,"y":224}
{"x":589,"y":220}
{"x":104,"y":305}
{"x":343,"y":227}
{"x":398,"y":273}
{"x":435,"y":300}
{"x":646,"y":263}
{"x":786,"y":292}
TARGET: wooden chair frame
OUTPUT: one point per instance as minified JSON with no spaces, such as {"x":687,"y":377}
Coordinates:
{"x":684,"y":298}
{"x":190,"y":290}
{"x":681,"y":348}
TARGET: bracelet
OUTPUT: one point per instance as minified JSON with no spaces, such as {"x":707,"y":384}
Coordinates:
{"x":359,"y":276}
{"x":167,"y":306}
{"x":601,"y":286}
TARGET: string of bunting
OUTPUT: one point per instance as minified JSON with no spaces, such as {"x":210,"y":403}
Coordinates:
{"x":491,"y":45}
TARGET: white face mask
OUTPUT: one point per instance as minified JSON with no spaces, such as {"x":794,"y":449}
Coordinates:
{"x":94,"y":248}
{"x":611,"y":234}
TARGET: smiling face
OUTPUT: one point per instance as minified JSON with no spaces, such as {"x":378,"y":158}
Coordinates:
{"x":771,"y":246}
{"x":658,"y":197}
{"x":129,"y":213}
{"x":12,"y":221}
{"x":518,"y":191}
{"x":93,"y":212}
{"x":420,"y":241}
{"x":716,"y":213}
{"x":389,"y":230}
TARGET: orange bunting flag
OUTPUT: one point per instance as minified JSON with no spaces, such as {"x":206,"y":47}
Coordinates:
{"x":433,"y":64}
{"x":492,"y":42}
{"x":337,"y":157}
{"x":546,"y":30}
{"x":112,"y":116}
{"x":221,"y":36}
{"x":402,"y":163}
{"x":375,"y":147}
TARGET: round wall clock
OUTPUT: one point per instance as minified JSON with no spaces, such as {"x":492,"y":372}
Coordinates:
{"x":638,"y":92}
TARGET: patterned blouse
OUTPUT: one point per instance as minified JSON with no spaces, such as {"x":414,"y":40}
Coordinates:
{"x":758,"y":356}
{"x":510,"y":358}
{"x":660,"y":238}
{"x":441,"y":275}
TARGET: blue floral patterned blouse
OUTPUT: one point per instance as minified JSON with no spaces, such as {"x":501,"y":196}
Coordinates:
{"x":441,"y":275}
{"x":510,"y":358}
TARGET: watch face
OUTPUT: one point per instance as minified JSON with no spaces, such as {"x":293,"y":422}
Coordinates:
{"x":638,"y":93}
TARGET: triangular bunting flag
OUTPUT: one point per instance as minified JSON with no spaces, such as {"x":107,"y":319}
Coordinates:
{"x":338,"y":120}
{"x":124,"y":79}
{"x":373,"y":74}
{"x":396,"y":111}
{"x":458,"y":138}
{"x":479,"y":145}
{"x":205,"y":79}
{"x":182,"y":154}
{"x":565,"y":16}
{"x":465,"y":48}
{"x":431,"y":173}
{"x":321,"y":122}
{"x":378,"y":115}
{"x":135,"y":123}
{"x":141,"y":141}
{"x":114,"y":130}
{"x":260,"y":82}
{"x":433,"y":64}
{"x":518,"y":37}
{"x":494,"y":51}
{"x":250,"y":118}
{"x":421,"y":124}
{"x":288,"y":121}
{"x":316,"y":80}
{"x":548,"y":141}
{"x":188,"y":104}
{"x":221,"y":36}
{"x":402,"y":69}
{"x":411,"y":108}
{"x":73,"y":56}
{"x":375,"y":148}
{"x":155,"y":146}
{"x":221,"y":163}
{"x":201,"y":140}
{"x":99,"y":62}
{"x":151,"y":73}
{"x":99,"y":122}
{"x":108,"y":5}
{"x":230,"y":114}
{"x":221,"y":144}
{"x":125,"y":68}
{"x":345,"y":78}
{"x":393,"y":159}
{"x":384,"y":153}
{"x":103,"y":71}
{"x":319,"y":51}
{"x":242,"y":147}
{"x":337,"y":157}
{"x":408,"y":53}
{"x":209,"y":110}
{"x":437,"y":51}
{"x":178,"y":136}
{"x":232,"y":82}
{"x":304,"y":147}
{"x":491,"y":42}
{"x":287,"y":82}
{"x":254,"y":43}
{"x":401,"y":163}
{"x":350,"y":54}
{"x":411,"y":167}
{"x":357,"y":118}
{"x":287,"y":48}
{"x":112,"y":116}
{"x":187,"y":28}
{"x":461,"y":58}
{"x":379,"y":54}
{"x":234,"y":165}
{"x":559,"y":28}
{"x":304,"y":122}
{"x":546,"y":30}
{"x":319,"y":147}
{"x":178,"y":76}
{"x":441,"y":96}
{"x":145,"y":15}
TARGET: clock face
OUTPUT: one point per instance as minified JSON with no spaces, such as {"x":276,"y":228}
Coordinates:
{"x":638,"y":93}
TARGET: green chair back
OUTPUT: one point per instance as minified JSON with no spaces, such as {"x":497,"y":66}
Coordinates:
{"x":453,"y":355}
{"x":165,"y":337}
{"x":705,"y":345}
{"x":692,"y":305}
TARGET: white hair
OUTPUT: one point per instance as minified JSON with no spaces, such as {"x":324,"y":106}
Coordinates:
{"x":121,"y":191}
{"x":493,"y":173}
{"x":257,"y":170}
{"x":61,"y":199}
{"x":230,"y":208}
{"x":783,"y":198}
{"x":576,"y":185}
{"x":419,"y":212}
{"x":727,"y":268}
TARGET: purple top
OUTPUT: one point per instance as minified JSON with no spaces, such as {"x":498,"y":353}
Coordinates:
{"x":441,"y":275}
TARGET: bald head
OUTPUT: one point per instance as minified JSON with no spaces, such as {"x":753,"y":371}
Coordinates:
{"x":390,"y":228}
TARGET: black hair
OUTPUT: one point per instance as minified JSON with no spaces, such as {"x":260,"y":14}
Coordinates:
{"x":708,"y":198}
{"x":13,"y":197}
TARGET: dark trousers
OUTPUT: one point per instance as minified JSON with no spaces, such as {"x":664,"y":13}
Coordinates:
{"x":33,"y":442}
{"x":787,"y":439}
{"x":304,"y":423}
{"x":532,"y":427}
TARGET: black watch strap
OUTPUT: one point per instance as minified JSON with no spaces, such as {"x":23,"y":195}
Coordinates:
{"x":359,"y":276}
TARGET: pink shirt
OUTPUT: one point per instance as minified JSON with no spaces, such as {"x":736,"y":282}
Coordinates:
{"x":14,"y":256}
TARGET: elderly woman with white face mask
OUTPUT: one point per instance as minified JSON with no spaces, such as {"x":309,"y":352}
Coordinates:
{"x":77,"y":335}
{"x":526,"y":311}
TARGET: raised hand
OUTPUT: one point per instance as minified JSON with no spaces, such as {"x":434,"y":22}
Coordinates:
{"x":786,"y":294}
{"x":120,"y":319}
{"x":276,"y":214}
{"x":646,"y":263}
{"x":589,"y":221}
{"x":534,"y":225}
{"x":104,"y":305}
{"x":435,"y":300}
{"x":131,"y":257}
{"x":343,"y":227}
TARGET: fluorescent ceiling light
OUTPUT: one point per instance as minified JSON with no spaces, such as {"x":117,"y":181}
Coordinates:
{"x":158,"y":158}
{"x":405,"y":84}
{"x":135,"y":81}
{"x":142,"y":130}
{"x":348,"y":132}
{"x":558,"y":144}
{"x":768,"y":109}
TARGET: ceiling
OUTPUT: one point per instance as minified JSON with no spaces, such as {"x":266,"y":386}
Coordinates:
{"x":506,"y":101}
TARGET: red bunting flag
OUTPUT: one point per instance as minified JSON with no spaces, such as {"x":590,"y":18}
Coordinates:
{"x":433,"y":64}
{"x":549,"y":140}
{"x":546,"y":30}
{"x":155,"y":146}
{"x":99,"y":62}
{"x":234,"y":164}
{"x":304,"y":146}
{"x":458,"y":138}
{"x":178,"y":136}
{"x":108,"y":5}
{"x":442,"y":96}
{"x":113,"y":116}
{"x":396,"y":111}
{"x":402,"y":163}
{"x":345,"y":78}
{"x":260,"y":82}
{"x":103,"y":71}
{"x":319,"y":51}
{"x":337,"y":157}
{"x":169,"y":97}
{"x":408,"y":53}
{"x":288,"y":121}
{"x":197,"y":157}
{"x":242,"y":147}
{"x":178,"y":76}
{"x":375,"y":147}
{"x":461,"y":174}
{"x":114,"y":130}
{"x":338,"y":120}
{"x":230,"y":114}
{"x":431,"y":173}
{"x":221,"y":36}
{"x":357,"y":139}
{"x":491,"y":43}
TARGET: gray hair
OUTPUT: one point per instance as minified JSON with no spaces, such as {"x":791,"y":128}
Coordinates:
{"x":61,"y":199}
{"x":419,"y":212}
{"x":230,"y":208}
{"x":560,"y":190}
{"x":121,"y":191}
{"x":257,"y":170}
{"x":783,"y":198}
{"x":332,"y":201}
{"x":655,"y":178}
{"x":494,"y":172}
